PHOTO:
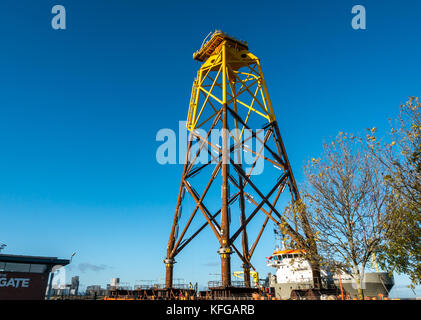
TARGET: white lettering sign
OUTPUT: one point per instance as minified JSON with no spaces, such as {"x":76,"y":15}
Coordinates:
{"x":14,"y":282}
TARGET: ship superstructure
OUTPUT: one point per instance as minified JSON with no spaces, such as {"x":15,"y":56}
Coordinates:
{"x":294,"y":273}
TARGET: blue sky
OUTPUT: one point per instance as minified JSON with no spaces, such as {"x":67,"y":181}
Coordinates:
{"x":80,"y":109}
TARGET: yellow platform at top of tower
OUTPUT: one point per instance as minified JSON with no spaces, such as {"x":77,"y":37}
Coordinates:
{"x":214,"y":43}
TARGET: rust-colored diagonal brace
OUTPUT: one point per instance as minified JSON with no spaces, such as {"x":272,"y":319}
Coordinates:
{"x":168,"y":262}
{"x":215,"y":121}
{"x":215,"y":158}
{"x":290,"y":231}
{"x":251,"y":216}
{"x":267,"y":136}
{"x":268,"y":215}
{"x":179,"y":199}
{"x":263,"y":157}
{"x":203,"y":209}
{"x":244,"y":259}
{"x":282,"y":151}
{"x":258,"y":237}
{"x":214,"y":173}
{"x":274,"y":154}
{"x":254,"y":135}
{"x":266,"y":220}
{"x":233,"y":198}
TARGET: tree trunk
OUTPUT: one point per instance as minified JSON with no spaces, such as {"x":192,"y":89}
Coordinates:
{"x":360,"y":292}
{"x":315,"y":268}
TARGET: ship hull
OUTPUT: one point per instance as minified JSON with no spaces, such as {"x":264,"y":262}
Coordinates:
{"x":373,"y":284}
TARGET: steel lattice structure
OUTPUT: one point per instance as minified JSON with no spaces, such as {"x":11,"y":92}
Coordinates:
{"x":229,"y":93}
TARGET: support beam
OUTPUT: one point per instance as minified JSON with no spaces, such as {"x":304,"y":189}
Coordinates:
{"x":225,"y":250}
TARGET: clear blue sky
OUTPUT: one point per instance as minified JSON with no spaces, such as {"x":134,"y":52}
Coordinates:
{"x":80,"y":108}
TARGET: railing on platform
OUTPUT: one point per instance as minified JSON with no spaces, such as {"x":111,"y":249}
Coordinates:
{"x":150,"y":285}
{"x":237,"y":283}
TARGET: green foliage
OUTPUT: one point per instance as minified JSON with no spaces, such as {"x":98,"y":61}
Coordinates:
{"x":402,"y":160}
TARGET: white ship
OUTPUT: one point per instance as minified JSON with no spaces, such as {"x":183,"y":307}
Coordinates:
{"x":293,"y":272}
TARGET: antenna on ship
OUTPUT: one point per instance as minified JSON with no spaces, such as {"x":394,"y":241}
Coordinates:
{"x":277,"y":238}
{"x":2,"y":246}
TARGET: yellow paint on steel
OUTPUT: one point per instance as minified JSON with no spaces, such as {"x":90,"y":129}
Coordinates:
{"x":228,"y":59}
{"x":254,"y":275}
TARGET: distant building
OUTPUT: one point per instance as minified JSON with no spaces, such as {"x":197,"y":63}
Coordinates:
{"x":74,"y":286}
{"x":62,"y":290}
{"x":95,"y":290}
{"x":115,"y":283}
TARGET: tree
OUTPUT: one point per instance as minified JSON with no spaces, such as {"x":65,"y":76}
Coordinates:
{"x":401,"y":159}
{"x":347,"y":204}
